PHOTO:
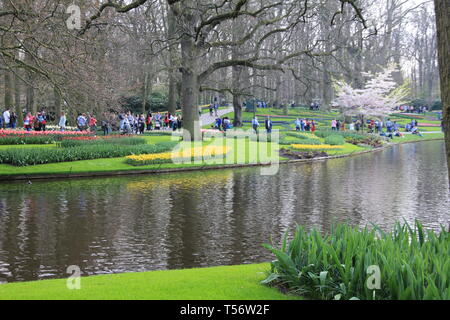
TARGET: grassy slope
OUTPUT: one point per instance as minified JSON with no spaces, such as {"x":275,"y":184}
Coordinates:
{"x":219,"y":283}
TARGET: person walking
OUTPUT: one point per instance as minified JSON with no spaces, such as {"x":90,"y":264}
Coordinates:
{"x":28,"y":122}
{"x":298,"y":124}
{"x":268,"y":124}
{"x":149,"y":122}
{"x":13,"y":120}
{"x":313,"y":126}
{"x":82,"y":122}
{"x":141,"y":124}
{"x":6,"y":118}
{"x":255,"y":124}
{"x":62,"y":122}
{"x":93,"y":124}
{"x":333,"y":125}
{"x":42,"y":118}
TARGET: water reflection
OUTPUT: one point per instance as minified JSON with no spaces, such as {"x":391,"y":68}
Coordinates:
{"x":209,"y":218}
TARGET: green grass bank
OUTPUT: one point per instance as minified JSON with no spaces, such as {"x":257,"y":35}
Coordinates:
{"x":218,"y":283}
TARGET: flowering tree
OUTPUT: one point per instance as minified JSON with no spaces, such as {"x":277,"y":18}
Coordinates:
{"x":379,"y":96}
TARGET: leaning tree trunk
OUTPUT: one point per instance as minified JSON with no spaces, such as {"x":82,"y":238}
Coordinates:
{"x":443,"y":33}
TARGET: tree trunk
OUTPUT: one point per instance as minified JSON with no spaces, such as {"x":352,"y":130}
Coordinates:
{"x":19,"y":109}
{"x":57,"y":102}
{"x":9,"y":104}
{"x":145,"y":92}
{"x":443,"y":33}
{"x":172,"y":103}
{"x":190,"y":89}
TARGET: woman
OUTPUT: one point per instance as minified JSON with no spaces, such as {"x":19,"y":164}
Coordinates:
{"x":141,"y":124}
{"x":166,"y":121}
{"x":62,"y":122}
{"x":313,"y":126}
{"x":42,"y":121}
{"x":93,"y":124}
{"x":149,"y":122}
{"x":28,"y":121}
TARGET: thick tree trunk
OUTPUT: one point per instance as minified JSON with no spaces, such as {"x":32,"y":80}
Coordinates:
{"x":145,"y":93}
{"x":237,"y":106}
{"x":17,"y":102}
{"x":30,"y":102}
{"x":57,"y":102}
{"x":443,"y":33}
{"x":190,"y":89}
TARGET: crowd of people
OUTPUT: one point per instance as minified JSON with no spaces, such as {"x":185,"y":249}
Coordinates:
{"x":125,"y":122}
{"x":377,"y":127}
{"x":412,"y":109}
{"x":305,"y":125}
{"x":8,"y":119}
{"x":138,"y":124}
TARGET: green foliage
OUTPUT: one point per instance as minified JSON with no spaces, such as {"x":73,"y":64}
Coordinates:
{"x":335,"y":140}
{"x":413,"y":263}
{"x":17,"y":140}
{"x":156,"y":102}
{"x":126,"y":141}
{"x":346,"y":134}
{"x":34,"y":156}
{"x":289,"y":138}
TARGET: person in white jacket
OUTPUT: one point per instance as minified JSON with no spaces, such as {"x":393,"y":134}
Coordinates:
{"x":6,"y":118}
{"x":62,"y":121}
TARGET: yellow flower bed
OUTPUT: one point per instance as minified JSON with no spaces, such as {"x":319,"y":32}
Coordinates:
{"x":199,"y":152}
{"x":315,"y":147}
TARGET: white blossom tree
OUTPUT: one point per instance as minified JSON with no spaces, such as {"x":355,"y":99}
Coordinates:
{"x":379,"y":96}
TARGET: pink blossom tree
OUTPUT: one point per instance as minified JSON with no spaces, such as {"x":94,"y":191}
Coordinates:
{"x":379,"y":97}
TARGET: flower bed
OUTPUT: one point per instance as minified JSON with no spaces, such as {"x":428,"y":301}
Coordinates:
{"x":16,"y":137}
{"x":34,"y":156}
{"x":185,"y":154}
{"x":315,"y":147}
{"x":85,"y":141}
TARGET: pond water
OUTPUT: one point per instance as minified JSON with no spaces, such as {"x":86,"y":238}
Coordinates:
{"x":185,"y":220}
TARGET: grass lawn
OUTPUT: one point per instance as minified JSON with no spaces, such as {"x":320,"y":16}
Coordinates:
{"x":219,"y":283}
{"x":242,"y":155}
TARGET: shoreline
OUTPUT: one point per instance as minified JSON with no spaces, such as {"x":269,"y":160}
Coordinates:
{"x":135,"y":172}
{"x":238,"y":282}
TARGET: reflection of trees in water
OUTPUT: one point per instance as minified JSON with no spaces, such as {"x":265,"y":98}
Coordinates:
{"x":207,"y":218}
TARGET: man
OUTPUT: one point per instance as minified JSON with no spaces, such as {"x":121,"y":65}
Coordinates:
{"x":389,"y":125}
{"x":255,"y":124}
{"x":82,"y":122}
{"x":268,"y":124}
{"x":6,"y":118}
{"x":298,"y":124}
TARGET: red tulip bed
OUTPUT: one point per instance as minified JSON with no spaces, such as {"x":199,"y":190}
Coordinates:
{"x":16,"y":137}
{"x":429,"y":125}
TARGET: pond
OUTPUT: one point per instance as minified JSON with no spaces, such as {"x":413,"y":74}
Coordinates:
{"x":184,"y":220}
